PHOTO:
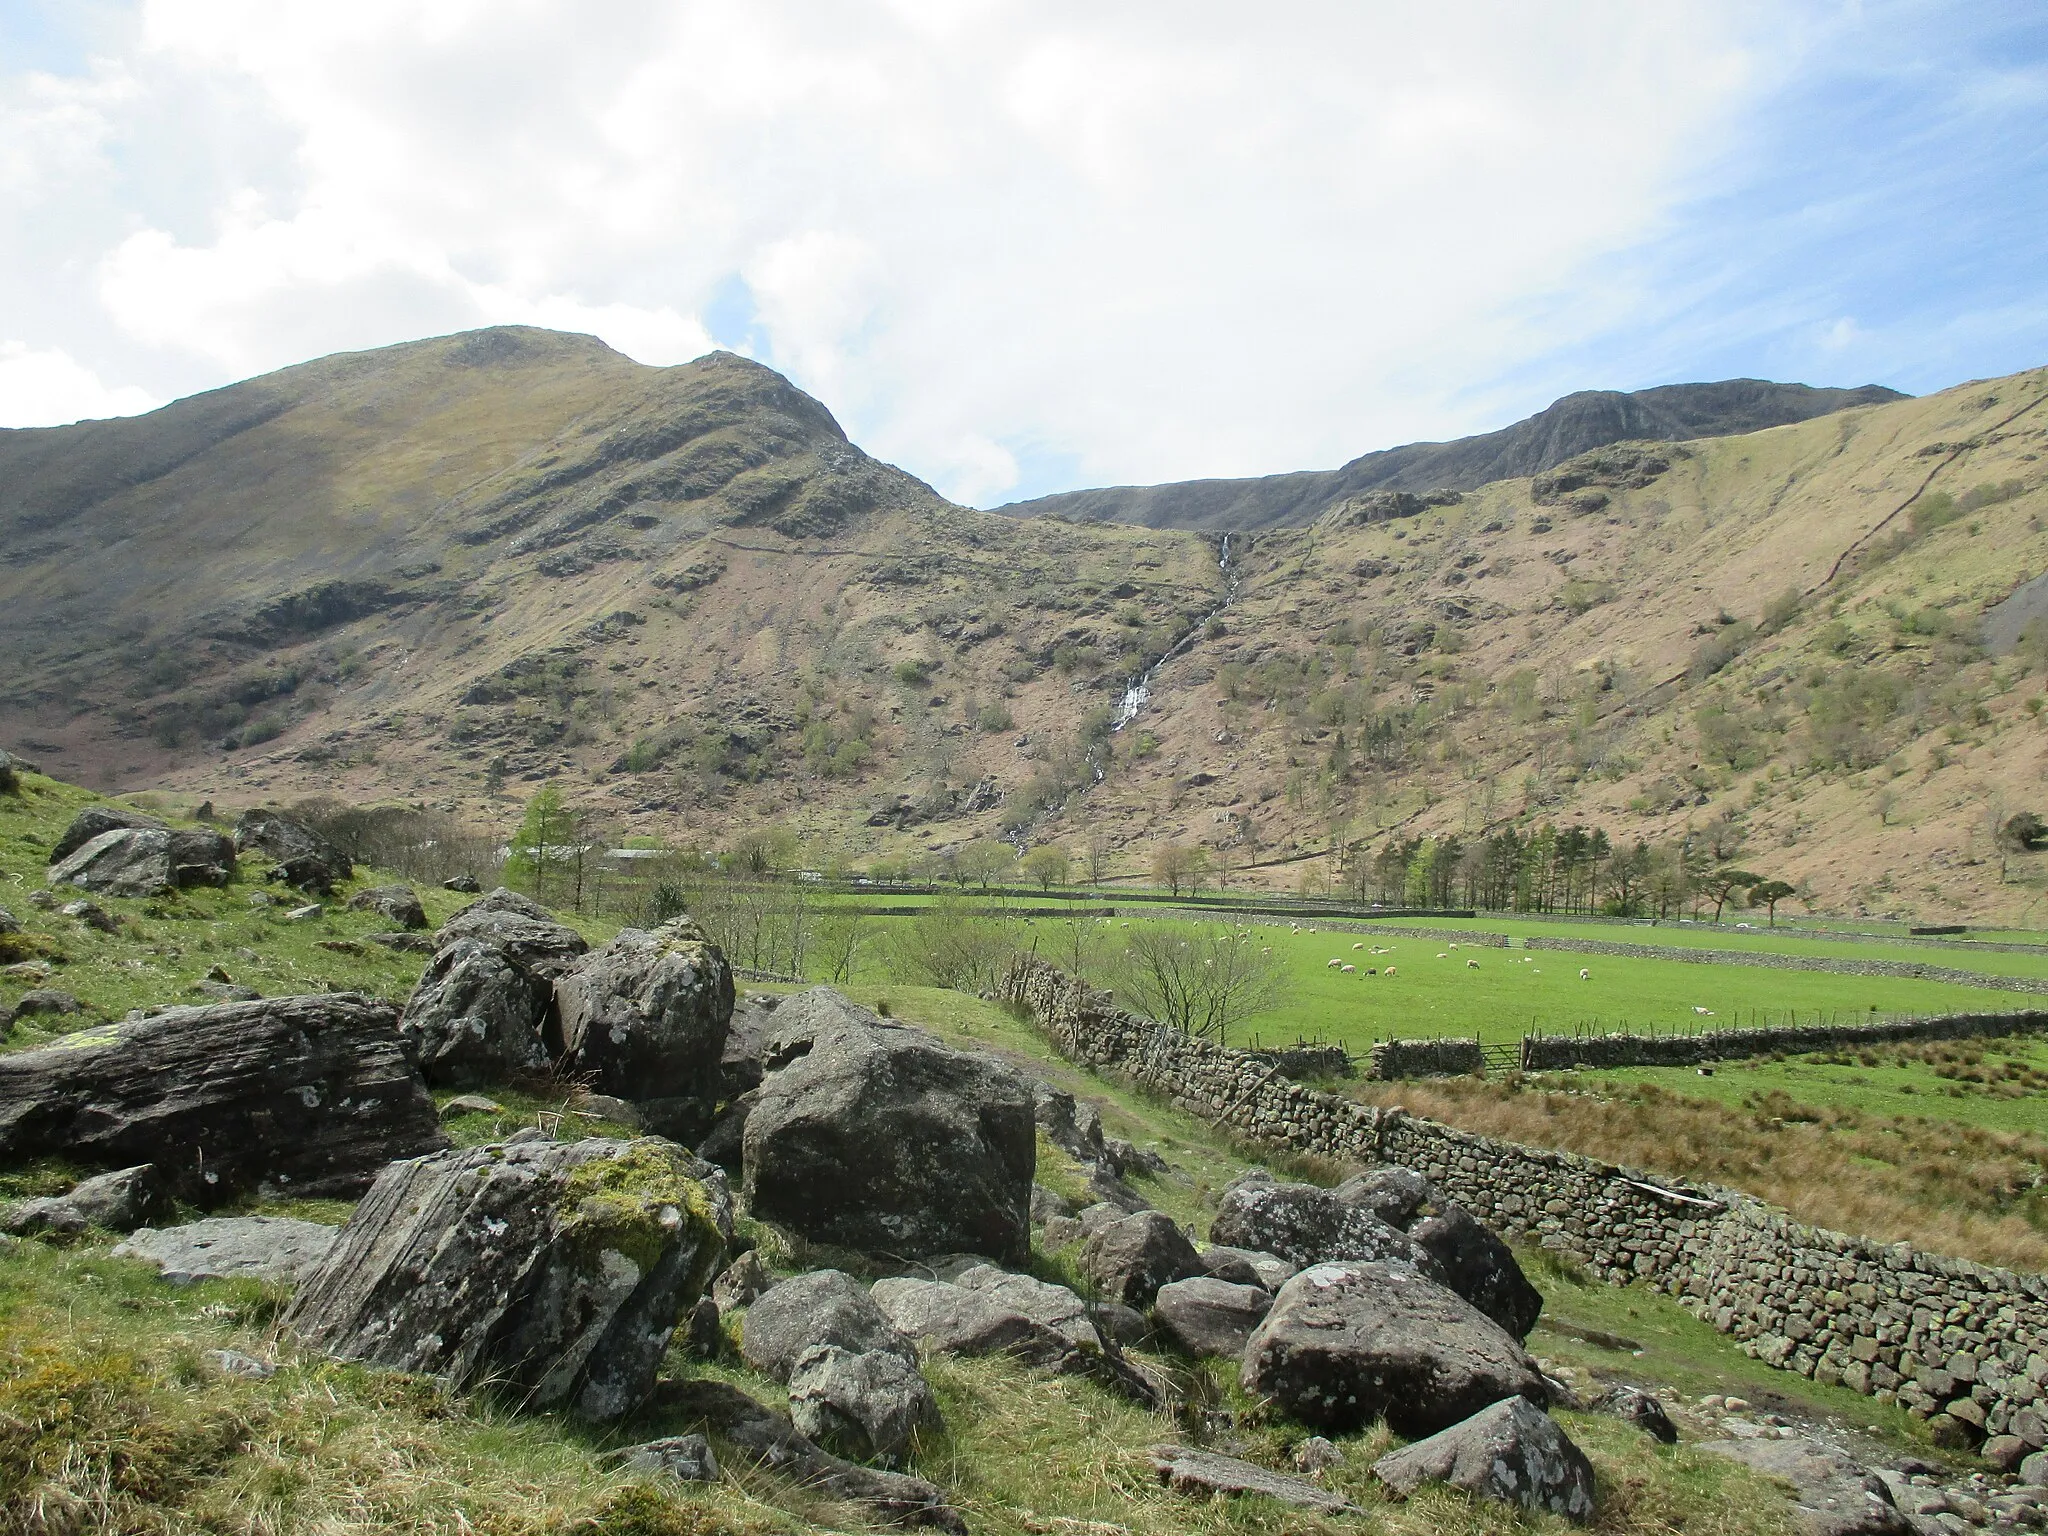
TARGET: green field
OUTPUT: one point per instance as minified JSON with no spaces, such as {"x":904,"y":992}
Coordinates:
{"x":1517,"y":992}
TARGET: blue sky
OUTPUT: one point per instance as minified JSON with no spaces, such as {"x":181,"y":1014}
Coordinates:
{"x":1020,"y":248}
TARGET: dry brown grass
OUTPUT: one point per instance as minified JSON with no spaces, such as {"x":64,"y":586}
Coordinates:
{"x":1951,"y":1188}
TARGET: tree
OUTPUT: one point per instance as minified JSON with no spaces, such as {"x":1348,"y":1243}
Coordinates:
{"x":1206,"y":981}
{"x":1767,"y":894}
{"x":1048,"y":865}
{"x":1177,"y":866}
{"x":952,"y":944}
{"x":1724,"y":882}
{"x":984,"y":861}
{"x":544,"y":845}
{"x":842,"y":938}
{"x":1098,"y":857}
{"x":2023,"y":833}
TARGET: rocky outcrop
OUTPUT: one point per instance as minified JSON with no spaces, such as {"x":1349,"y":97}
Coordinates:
{"x":275,"y":1248}
{"x":1831,"y":1494}
{"x":147,"y":861}
{"x":1512,"y":1452}
{"x":826,"y":1306}
{"x":1632,"y":1405}
{"x":481,"y":1011}
{"x":877,"y":1137}
{"x":949,"y":1319}
{"x":555,"y":1269}
{"x":398,"y":903}
{"x":1131,"y":1258}
{"x":119,"y":1201}
{"x":1346,"y":1344}
{"x":287,"y":1096}
{"x":645,"y":1018}
{"x":868,"y":1405}
{"x":304,"y":859}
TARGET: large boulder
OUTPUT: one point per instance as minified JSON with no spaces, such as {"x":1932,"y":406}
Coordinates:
{"x":556,"y":1269}
{"x":305,"y":860}
{"x":1395,"y":1195}
{"x":825,"y":1306}
{"x":1512,"y":1451}
{"x":94,"y":821}
{"x":275,"y":1248}
{"x":285,"y":1097}
{"x":877,"y":1137}
{"x":1050,"y":1306}
{"x":1130,"y":1258}
{"x":1306,"y":1225}
{"x":644,"y":1018}
{"x":482,"y":1009}
{"x":1205,"y":1316}
{"x":1346,"y":1344}
{"x":949,"y":1319}
{"x":1832,"y":1495}
{"x":1468,"y":1258}
{"x":119,"y":1201}
{"x":397,"y":903}
{"x":866,"y":1405}
{"x":147,"y":861}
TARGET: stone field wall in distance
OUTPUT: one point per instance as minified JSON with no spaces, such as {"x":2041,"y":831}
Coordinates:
{"x":1937,"y":1335}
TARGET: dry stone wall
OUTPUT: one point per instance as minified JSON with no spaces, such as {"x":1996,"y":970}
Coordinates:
{"x":1390,"y":1060}
{"x":1561,"y":1053}
{"x":1936,"y":1335}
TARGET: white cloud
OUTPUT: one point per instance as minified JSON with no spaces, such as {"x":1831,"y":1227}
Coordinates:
{"x":47,"y":388}
{"x":1152,"y":245}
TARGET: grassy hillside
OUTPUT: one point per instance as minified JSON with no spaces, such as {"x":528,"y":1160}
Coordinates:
{"x":448,"y":572}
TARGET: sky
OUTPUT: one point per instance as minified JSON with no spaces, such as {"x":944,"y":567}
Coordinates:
{"x":1027,"y":247}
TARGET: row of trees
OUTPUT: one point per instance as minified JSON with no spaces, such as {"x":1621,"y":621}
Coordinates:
{"x":1570,"y":869}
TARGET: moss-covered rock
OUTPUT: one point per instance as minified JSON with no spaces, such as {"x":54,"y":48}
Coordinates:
{"x":556,"y":1269}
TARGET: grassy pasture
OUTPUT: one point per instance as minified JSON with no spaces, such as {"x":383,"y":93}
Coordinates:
{"x":1434,"y":991}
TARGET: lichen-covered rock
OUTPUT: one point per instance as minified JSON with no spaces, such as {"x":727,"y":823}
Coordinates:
{"x":1513,"y":1452}
{"x":399,"y":903}
{"x":1395,"y":1195}
{"x":645,"y":1018}
{"x":949,"y":1319}
{"x":826,"y":1306}
{"x":305,"y":860}
{"x":147,"y":861}
{"x":1471,"y":1260}
{"x":1130,"y":1258}
{"x":119,"y":1201}
{"x":866,"y":1405}
{"x":1243,"y":1266}
{"x":1051,"y":1306}
{"x":1632,"y":1405}
{"x":276,"y":1248}
{"x":1206,"y":1316}
{"x":877,"y":1137}
{"x":1306,"y":1225}
{"x":1832,"y":1495}
{"x":287,"y":1097}
{"x":556,"y":1269}
{"x":1346,"y":1344}
{"x":94,"y":821}
{"x":687,"y":1458}
{"x":482,"y":1009}
{"x":1210,"y":1472}
{"x":769,"y":1439}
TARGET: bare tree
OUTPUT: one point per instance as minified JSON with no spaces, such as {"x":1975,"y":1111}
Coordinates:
{"x":1206,"y":981}
{"x":953,"y":943}
{"x":1098,"y":857}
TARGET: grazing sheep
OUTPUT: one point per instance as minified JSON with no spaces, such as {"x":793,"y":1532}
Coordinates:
{"x":1390,"y":970}
{"x":1358,"y":946}
{"x":1370,"y":971}
{"x":1334,"y":964}
{"x":1706,"y":1011}
{"x":1585,"y":975}
{"x":1349,"y":969}
{"x":1441,"y":955}
{"x":1472,"y":965}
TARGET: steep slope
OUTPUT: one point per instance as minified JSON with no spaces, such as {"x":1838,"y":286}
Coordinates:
{"x":448,"y":572}
{"x":1570,"y":426}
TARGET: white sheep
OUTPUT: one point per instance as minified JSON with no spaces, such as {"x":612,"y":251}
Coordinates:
{"x":1358,"y":946}
{"x":1390,"y":970}
{"x":1349,"y":969}
{"x":1585,"y":975}
{"x":1334,"y":964}
{"x":1472,"y":965}
{"x":1708,"y":1012}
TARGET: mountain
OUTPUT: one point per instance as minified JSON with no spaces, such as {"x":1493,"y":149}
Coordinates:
{"x":1571,"y":426}
{"x":448,"y":572}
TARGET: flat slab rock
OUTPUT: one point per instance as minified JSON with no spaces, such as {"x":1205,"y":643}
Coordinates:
{"x":1832,"y":1495}
{"x":1193,"y":1471}
{"x":232,"y":1248}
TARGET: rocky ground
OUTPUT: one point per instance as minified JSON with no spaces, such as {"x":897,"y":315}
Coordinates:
{"x":579,"y":1238}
